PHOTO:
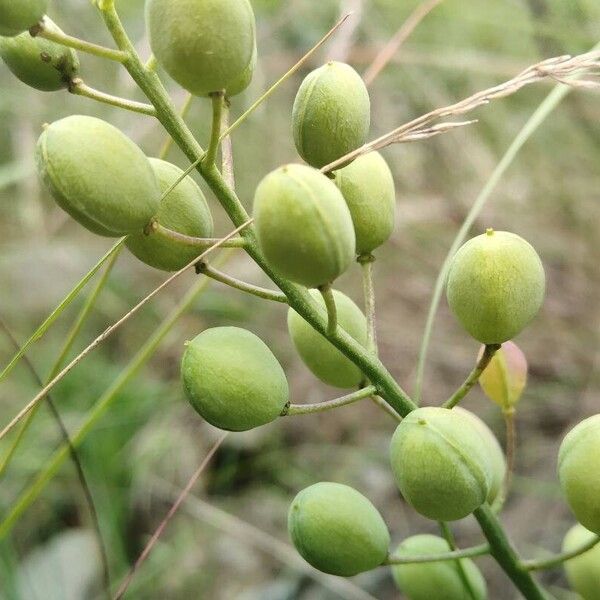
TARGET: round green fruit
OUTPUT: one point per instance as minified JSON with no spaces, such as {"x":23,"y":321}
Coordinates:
{"x":579,"y":474}
{"x":233,"y":380}
{"x":17,"y":16}
{"x":244,"y":80}
{"x":337,"y":530}
{"x":495,"y":286}
{"x":98,"y":175}
{"x":303,"y":225}
{"x":331,"y":114}
{"x":368,"y":188}
{"x":204,"y":45}
{"x":183,"y":210}
{"x":441,"y":463}
{"x":583,"y":572}
{"x":38,"y":62}
{"x":497,"y":460}
{"x":441,"y":580}
{"x":320,"y":355}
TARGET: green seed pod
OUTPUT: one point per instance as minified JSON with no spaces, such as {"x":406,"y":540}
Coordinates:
{"x":246,"y":77}
{"x":495,"y":286}
{"x":98,"y":175}
{"x":17,"y":16}
{"x":441,"y":580}
{"x":40,"y":63}
{"x":204,"y":45}
{"x":183,"y":210}
{"x":497,"y":460}
{"x":441,"y":463}
{"x":331,"y":114}
{"x":337,"y":530}
{"x":504,"y":379}
{"x":579,"y":474}
{"x":583,"y":572}
{"x":303,"y":225}
{"x":368,"y":188}
{"x":233,"y":380}
{"x":321,"y":356}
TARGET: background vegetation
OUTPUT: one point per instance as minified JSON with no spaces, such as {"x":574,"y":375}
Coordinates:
{"x":227,"y":541}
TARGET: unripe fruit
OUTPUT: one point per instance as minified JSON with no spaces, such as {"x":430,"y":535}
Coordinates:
{"x":243,"y":81}
{"x":38,"y":62}
{"x":204,"y":45}
{"x":331,"y":114}
{"x":17,"y":16}
{"x":441,"y":463}
{"x":303,"y":225}
{"x":233,"y":380}
{"x":367,"y":185}
{"x":583,"y":572}
{"x":497,"y":460}
{"x":183,"y":210}
{"x":320,"y":355}
{"x":98,"y":175}
{"x":337,"y":530}
{"x":495,"y":286}
{"x":505,"y":377}
{"x":579,"y":474}
{"x":441,"y":580}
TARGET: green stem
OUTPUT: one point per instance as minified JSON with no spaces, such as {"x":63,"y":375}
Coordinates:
{"x":205,"y":269}
{"x":506,"y":556}
{"x":298,"y":297}
{"x":55,"y":35}
{"x":41,"y":330}
{"x":332,"y":322}
{"x":481,"y":550}
{"x":308,"y":409}
{"x":157,"y":229}
{"x":449,"y":537}
{"x":558,"y":559}
{"x":168,"y":143}
{"x":511,"y":447}
{"x":79,"y":88}
{"x":366,"y":262}
{"x":473,"y":378}
{"x":215,"y":132}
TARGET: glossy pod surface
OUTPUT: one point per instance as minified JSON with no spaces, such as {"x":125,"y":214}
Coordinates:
{"x":324,"y":360}
{"x":183,"y":210}
{"x":337,"y":530}
{"x":98,"y":175}
{"x":495,"y":286}
{"x":368,"y":188}
{"x":204,"y":45}
{"x":39,"y":63}
{"x":441,"y":463}
{"x":303,"y":225}
{"x":17,"y":16}
{"x":331,"y":114}
{"x":233,"y":380}
{"x":583,"y":572}
{"x":440,"y":580}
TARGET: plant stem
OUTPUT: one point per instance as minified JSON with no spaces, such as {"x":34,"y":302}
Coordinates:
{"x":443,"y":556}
{"x":187,"y":240}
{"x":168,"y":143}
{"x":308,"y":409}
{"x":558,"y":559}
{"x":366,"y":262}
{"x":506,"y":556}
{"x":449,"y":537}
{"x":332,"y":322}
{"x":215,"y":132}
{"x":205,"y":269}
{"x":511,"y":446}
{"x":79,"y":88}
{"x":55,"y":35}
{"x":473,"y":378}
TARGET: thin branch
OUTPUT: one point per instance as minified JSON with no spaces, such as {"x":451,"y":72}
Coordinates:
{"x":79,"y":88}
{"x":45,"y":30}
{"x":215,"y":132}
{"x":473,"y":378}
{"x":107,"y":332}
{"x":511,"y":448}
{"x":157,"y":229}
{"x":308,"y":409}
{"x":87,"y":493}
{"x":329,"y":299}
{"x":204,"y":268}
{"x":387,"y":52}
{"x":366,"y":262}
{"x":558,"y":559}
{"x":560,"y":68}
{"x":172,"y":511}
{"x":474,"y":551}
{"x":284,"y":77}
{"x":449,"y":537}
{"x":168,"y":143}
